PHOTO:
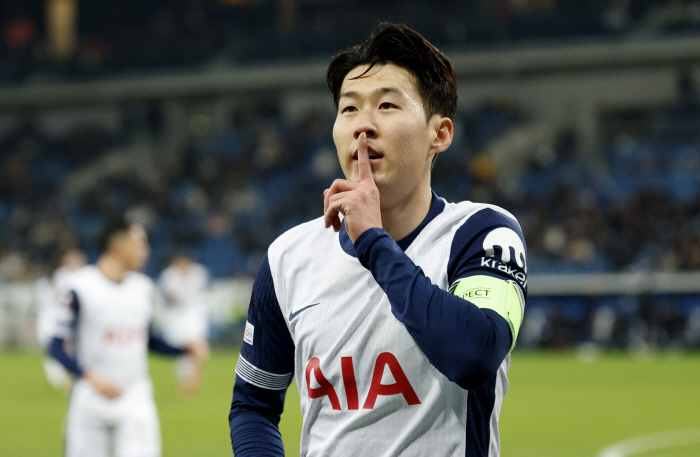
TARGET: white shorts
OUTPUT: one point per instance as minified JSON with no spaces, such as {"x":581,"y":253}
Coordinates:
{"x":124,"y":427}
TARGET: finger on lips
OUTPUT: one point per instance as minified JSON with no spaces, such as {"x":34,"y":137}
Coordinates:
{"x":333,"y":197}
{"x":363,"y":164}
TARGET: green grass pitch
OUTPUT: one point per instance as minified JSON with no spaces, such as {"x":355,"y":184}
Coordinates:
{"x":557,"y":406}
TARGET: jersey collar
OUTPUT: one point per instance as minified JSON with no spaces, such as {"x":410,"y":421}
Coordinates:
{"x":437,"y":205}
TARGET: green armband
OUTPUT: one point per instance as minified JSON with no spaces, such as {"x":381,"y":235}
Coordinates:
{"x":504,"y":297}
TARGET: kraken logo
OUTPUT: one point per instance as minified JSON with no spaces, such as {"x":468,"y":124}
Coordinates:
{"x":506,"y":239}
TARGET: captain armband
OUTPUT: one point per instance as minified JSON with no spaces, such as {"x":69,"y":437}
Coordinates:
{"x":504,"y":297}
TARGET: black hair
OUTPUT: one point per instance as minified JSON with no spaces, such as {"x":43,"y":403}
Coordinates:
{"x":402,"y":46}
{"x":116,"y":227}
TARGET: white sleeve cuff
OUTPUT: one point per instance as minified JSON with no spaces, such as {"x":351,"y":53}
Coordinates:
{"x":261,"y":378}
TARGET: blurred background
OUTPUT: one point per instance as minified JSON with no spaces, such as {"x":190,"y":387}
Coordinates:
{"x":208,"y":121}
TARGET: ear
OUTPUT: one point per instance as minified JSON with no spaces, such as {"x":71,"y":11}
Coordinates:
{"x":444,"y":132}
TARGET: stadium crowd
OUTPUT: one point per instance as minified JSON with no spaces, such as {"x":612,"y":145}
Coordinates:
{"x":235,"y":190}
{"x":135,"y":34}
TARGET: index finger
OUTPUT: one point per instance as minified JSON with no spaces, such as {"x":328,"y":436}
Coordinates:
{"x":364,"y":167}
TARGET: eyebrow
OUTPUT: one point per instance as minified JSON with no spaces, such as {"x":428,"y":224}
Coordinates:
{"x":379,"y":90}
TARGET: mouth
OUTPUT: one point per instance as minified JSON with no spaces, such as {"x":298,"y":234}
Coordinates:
{"x":373,"y":155}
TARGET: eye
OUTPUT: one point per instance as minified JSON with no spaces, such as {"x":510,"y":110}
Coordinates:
{"x":348,"y":109}
{"x":387,"y":105}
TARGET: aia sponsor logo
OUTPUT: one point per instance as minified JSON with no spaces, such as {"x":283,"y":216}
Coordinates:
{"x":120,"y":337}
{"x":384,"y":361}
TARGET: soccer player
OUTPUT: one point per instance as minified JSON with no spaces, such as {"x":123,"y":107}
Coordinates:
{"x":397,"y":323}
{"x":183,"y":284}
{"x":105,"y":316}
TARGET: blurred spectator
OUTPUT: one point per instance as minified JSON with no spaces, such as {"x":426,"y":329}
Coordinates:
{"x":120,"y":36}
{"x":20,"y":35}
{"x":238,"y":187}
{"x":185,"y":320}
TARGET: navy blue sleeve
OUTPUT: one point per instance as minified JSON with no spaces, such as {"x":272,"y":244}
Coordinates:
{"x":254,"y":420}
{"x":157,"y":344}
{"x":489,"y":243}
{"x":464,"y":342}
{"x":57,"y":350}
{"x":264,"y":371}
{"x":66,"y":324}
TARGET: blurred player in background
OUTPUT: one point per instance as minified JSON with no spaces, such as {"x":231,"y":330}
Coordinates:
{"x":185,"y":319}
{"x":105,"y":316}
{"x":46,"y":290}
{"x":399,"y":322}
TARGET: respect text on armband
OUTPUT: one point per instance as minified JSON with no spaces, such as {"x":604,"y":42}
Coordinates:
{"x":505,"y":268}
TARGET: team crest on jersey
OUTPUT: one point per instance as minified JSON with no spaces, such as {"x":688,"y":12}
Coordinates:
{"x":248,"y":333}
{"x":506,"y":239}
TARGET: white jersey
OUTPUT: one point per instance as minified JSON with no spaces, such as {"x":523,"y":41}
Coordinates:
{"x":46,"y":295}
{"x":109,"y":323}
{"x":44,"y":300}
{"x":365,"y":385}
{"x":185,"y":317}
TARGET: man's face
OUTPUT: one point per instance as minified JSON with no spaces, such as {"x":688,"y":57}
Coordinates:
{"x":132,"y":248}
{"x":385,"y":104}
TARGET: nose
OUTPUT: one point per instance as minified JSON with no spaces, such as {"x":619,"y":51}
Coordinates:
{"x":367,"y":129}
{"x":365,"y":123}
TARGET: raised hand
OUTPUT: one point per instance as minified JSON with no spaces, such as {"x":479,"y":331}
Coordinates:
{"x":357,"y":201}
{"x":199,"y":351}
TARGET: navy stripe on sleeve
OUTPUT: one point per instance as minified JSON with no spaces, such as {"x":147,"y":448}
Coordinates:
{"x":57,"y":351}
